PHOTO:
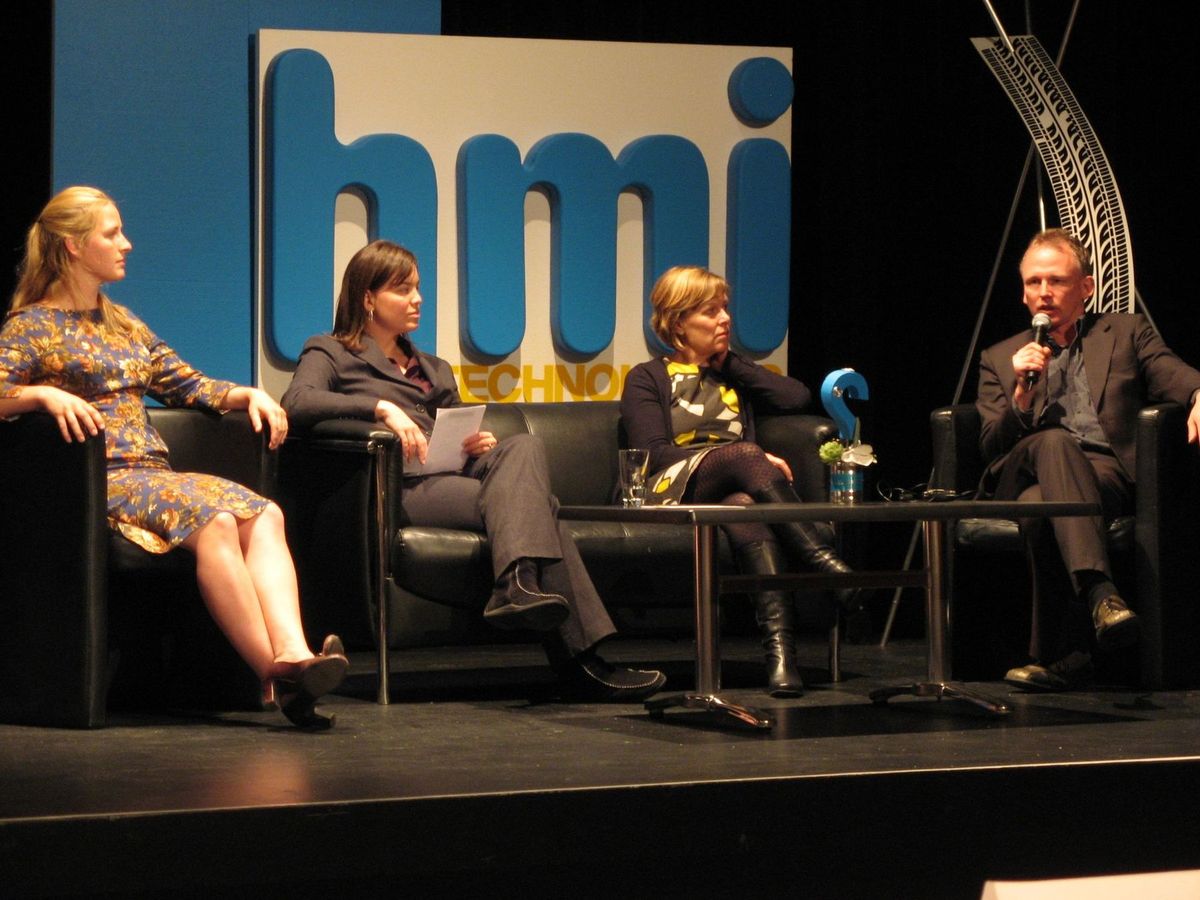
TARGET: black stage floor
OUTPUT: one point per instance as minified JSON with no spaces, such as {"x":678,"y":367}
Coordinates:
{"x":475,"y":779}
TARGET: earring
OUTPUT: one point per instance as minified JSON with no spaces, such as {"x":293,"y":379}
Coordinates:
{"x":371,"y":313}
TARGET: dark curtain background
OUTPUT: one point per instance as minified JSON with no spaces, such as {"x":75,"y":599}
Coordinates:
{"x":906,"y":159}
{"x":25,"y":67}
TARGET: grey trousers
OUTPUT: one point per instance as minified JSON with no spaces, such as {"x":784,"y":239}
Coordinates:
{"x":506,"y":494}
{"x":1050,"y":465}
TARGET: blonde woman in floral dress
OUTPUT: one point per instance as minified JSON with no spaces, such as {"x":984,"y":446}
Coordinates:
{"x":693,"y":410}
{"x":69,"y":351}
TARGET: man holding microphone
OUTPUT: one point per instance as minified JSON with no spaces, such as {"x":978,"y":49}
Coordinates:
{"x":1059,"y":406}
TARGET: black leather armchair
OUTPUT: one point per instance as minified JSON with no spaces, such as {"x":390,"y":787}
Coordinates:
{"x":1154,"y":552}
{"x":86,"y":610}
{"x":354,"y":554}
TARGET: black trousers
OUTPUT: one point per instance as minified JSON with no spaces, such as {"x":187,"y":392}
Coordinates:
{"x":1050,"y":465}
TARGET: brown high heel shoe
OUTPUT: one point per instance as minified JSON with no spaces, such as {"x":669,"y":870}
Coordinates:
{"x":270,"y":702}
{"x":306,"y":682}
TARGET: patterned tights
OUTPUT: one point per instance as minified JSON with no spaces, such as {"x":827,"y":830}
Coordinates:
{"x":732,"y":474}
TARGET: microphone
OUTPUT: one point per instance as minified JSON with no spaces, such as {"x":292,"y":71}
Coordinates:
{"x":1041,"y":329}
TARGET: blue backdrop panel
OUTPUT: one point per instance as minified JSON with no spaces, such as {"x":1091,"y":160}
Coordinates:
{"x":153,"y":102}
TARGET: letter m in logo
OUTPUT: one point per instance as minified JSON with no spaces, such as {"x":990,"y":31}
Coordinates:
{"x":582,"y":182}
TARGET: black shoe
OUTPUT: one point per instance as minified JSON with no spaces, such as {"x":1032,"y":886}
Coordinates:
{"x":1116,"y":624}
{"x":775,"y":617}
{"x":1072,"y":672}
{"x":588,"y":678}
{"x":305,"y":683}
{"x":809,"y":543}
{"x":518,"y":601}
{"x":783,"y":677}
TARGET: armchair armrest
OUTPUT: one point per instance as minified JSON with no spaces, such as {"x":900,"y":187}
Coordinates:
{"x":53,"y":576}
{"x":796,"y":439}
{"x":1162,"y":457}
{"x":357,"y":436}
{"x":227,"y":445}
{"x":1167,"y":533}
{"x":327,"y":486}
{"x":957,"y":465}
{"x":349,"y":434}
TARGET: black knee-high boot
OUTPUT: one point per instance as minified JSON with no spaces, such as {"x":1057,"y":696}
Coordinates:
{"x":805,"y":541}
{"x":775,"y":617}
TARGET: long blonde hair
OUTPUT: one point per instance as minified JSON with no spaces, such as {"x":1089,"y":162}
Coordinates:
{"x":73,"y":214}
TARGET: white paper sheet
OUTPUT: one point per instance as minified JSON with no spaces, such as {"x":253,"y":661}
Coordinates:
{"x":452,"y":426}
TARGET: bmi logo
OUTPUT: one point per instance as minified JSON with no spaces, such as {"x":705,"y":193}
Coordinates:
{"x":305,"y":166}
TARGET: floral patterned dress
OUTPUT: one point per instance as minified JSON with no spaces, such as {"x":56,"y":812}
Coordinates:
{"x":148,"y":502}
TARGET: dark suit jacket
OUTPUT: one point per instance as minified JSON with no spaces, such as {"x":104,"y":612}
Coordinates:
{"x":1127,"y":366}
{"x":332,"y":382}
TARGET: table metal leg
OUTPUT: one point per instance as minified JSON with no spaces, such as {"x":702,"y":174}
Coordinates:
{"x":708,"y":613}
{"x":381,"y":458}
{"x":708,"y":642}
{"x":835,"y":649}
{"x":937,"y":612}
{"x":937,"y":625}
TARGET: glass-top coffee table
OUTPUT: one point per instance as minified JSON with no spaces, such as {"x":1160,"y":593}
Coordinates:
{"x":935,"y":518}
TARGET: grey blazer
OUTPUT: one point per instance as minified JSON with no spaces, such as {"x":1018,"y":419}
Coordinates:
{"x":332,"y":382}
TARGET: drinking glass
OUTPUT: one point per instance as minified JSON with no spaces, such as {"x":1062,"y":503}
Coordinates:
{"x":632,"y":470}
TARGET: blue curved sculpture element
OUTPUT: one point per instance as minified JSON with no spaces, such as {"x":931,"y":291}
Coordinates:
{"x":582,"y":181}
{"x":306,"y":168}
{"x":839,"y":386}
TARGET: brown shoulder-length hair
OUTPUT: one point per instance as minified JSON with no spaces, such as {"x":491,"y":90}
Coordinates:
{"x":376,"y":267}
{"x":679,"y":292}
{"x":71,"y":214}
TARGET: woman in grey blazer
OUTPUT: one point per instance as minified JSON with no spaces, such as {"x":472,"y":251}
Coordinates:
{"x":369,"y":369}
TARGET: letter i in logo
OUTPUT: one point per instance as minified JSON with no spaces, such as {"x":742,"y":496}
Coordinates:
{"x":759,"y":208}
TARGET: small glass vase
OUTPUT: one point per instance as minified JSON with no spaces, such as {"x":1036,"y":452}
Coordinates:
{"x":845,"y":482}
